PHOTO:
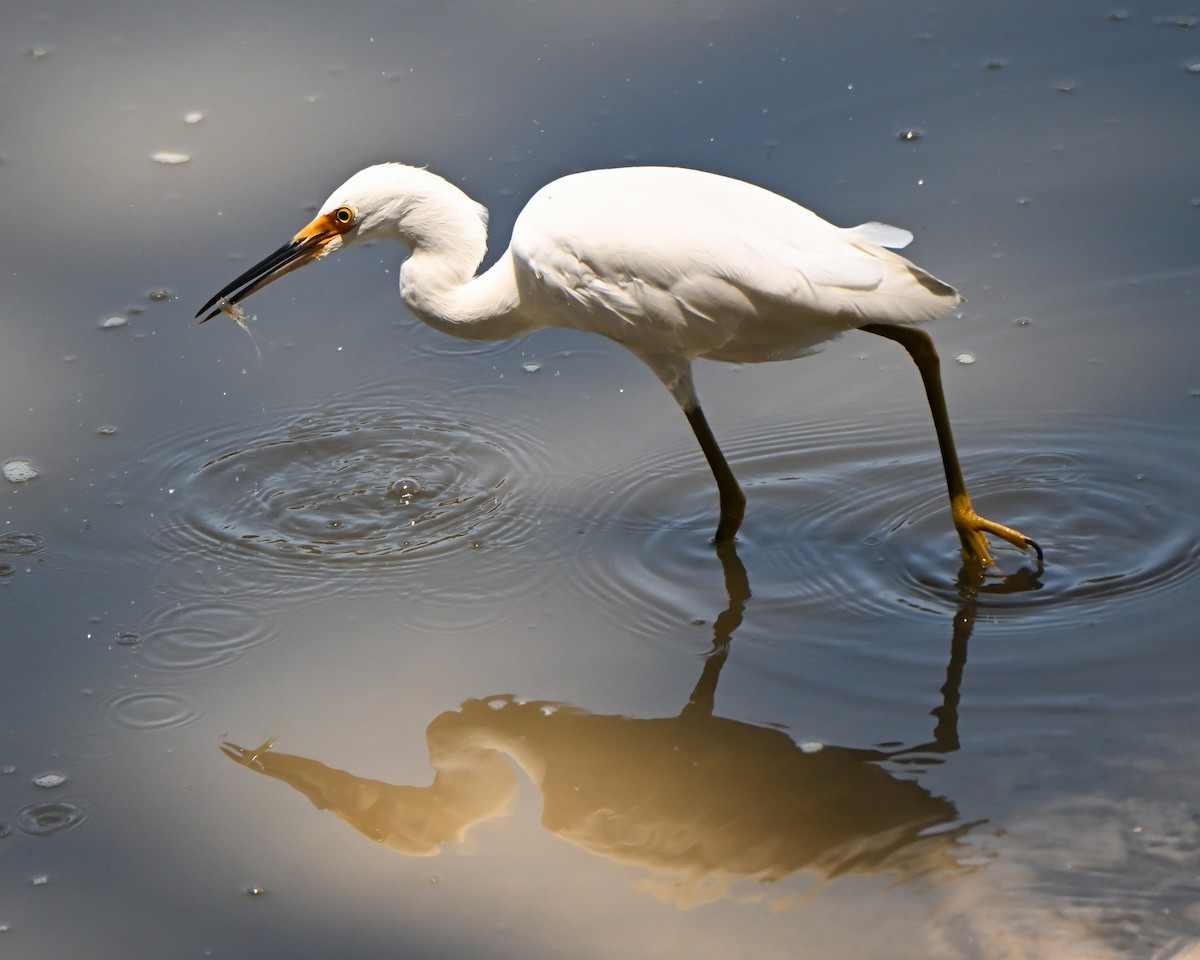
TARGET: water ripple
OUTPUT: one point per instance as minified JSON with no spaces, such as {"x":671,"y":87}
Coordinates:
{"x":147,"y":709}
{"x":853,"y":517}
{"x":359,"y":486}
{"x":200,"y":634}
{"x":51,"y":816}
{"x":21,"y":544}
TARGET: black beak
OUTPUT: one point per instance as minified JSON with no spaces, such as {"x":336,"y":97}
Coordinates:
{"x":305,"y":248}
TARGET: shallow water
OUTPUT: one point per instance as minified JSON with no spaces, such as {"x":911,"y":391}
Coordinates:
{"x":455,"y":604}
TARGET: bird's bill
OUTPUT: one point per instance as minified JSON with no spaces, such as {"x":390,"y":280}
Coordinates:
{"x":310,"y":244}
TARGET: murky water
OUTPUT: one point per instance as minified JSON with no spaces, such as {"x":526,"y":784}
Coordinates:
{"x":455,"y":603}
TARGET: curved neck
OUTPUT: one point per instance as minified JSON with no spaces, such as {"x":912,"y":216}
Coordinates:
{"x":447,"y":234}
{"x":444,"y":294}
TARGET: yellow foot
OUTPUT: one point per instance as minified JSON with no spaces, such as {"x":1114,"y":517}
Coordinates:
{"x":971,"y":528}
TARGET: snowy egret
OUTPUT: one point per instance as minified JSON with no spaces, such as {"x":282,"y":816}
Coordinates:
{"x":673,"y":264}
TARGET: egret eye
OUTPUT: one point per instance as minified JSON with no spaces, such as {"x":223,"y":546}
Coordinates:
{"x":344,"y":215}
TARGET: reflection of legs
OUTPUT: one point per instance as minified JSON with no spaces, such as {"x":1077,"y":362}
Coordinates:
{"x":733,"y":501}
{"x":971,"y":527}
{"x":737,"y":591}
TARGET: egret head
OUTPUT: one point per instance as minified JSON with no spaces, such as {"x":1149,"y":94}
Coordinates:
{"x":389,"y":199}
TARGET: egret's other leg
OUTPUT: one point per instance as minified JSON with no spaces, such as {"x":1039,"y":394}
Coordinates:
{"x":971,"y":527}
{"x":733,"y":501}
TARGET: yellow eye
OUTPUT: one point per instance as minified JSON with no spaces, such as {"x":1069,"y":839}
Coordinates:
{"x":344,"y":215}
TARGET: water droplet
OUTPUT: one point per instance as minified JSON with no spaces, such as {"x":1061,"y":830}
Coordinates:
{"x":907,"y":135}
{"x":169,"y":157}
{"x":531,"y":367}
{"x":965,"y":358}
{"x":256,"y":890}
{"x":1023,"y":321}
{"x":19,"y":471}
{"x":406,"y":488}
{"x":50,"y":780}
{"x":111,"y":323}
{"x":106,"y":431}
{"x":158,"y":295}
{"x":127,"y":639}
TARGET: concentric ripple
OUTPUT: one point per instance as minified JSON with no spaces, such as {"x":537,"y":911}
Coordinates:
{"x":361,"y":486}
{"x":200,"y":634}
{"x":52,"y":816}
{"x":853,"y":518}
{"x":21,"y":544}
{"x":150,"y":709}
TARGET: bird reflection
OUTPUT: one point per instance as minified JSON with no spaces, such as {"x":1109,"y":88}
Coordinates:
{"x":701,"y":802}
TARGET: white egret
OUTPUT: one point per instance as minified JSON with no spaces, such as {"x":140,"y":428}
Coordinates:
{"x":673,"y":264}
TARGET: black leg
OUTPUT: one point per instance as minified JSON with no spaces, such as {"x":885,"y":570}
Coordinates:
{"x":970,"y":526}
{"x":733,"y":501}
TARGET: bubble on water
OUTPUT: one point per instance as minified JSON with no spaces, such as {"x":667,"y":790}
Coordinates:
{"x":256,"y":890}
{"x":40,"y":880}
{"x":193,"y":116}
{"x":1023,"y":321}
{"x":111,"y":323}
{"x":1066,"y":86}
{"x":50,"y":780}
{"x":37,"y":52}
{"x":127,"y":638}
{"x":158,"y":294}
{"x":994,"y":64}
{"x":531,"y":367}
{"x":169,"y":157}
{"x":1194,"y":66}
{"x":406,"y":488}
{"x":106,"y":431}
{"x":812,"y":746}
{"x":966,"y":359}
{"x":19,"y":471}
{"x":909,"y":135}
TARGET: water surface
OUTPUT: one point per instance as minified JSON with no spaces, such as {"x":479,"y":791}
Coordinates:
{"x":451,"y":607}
